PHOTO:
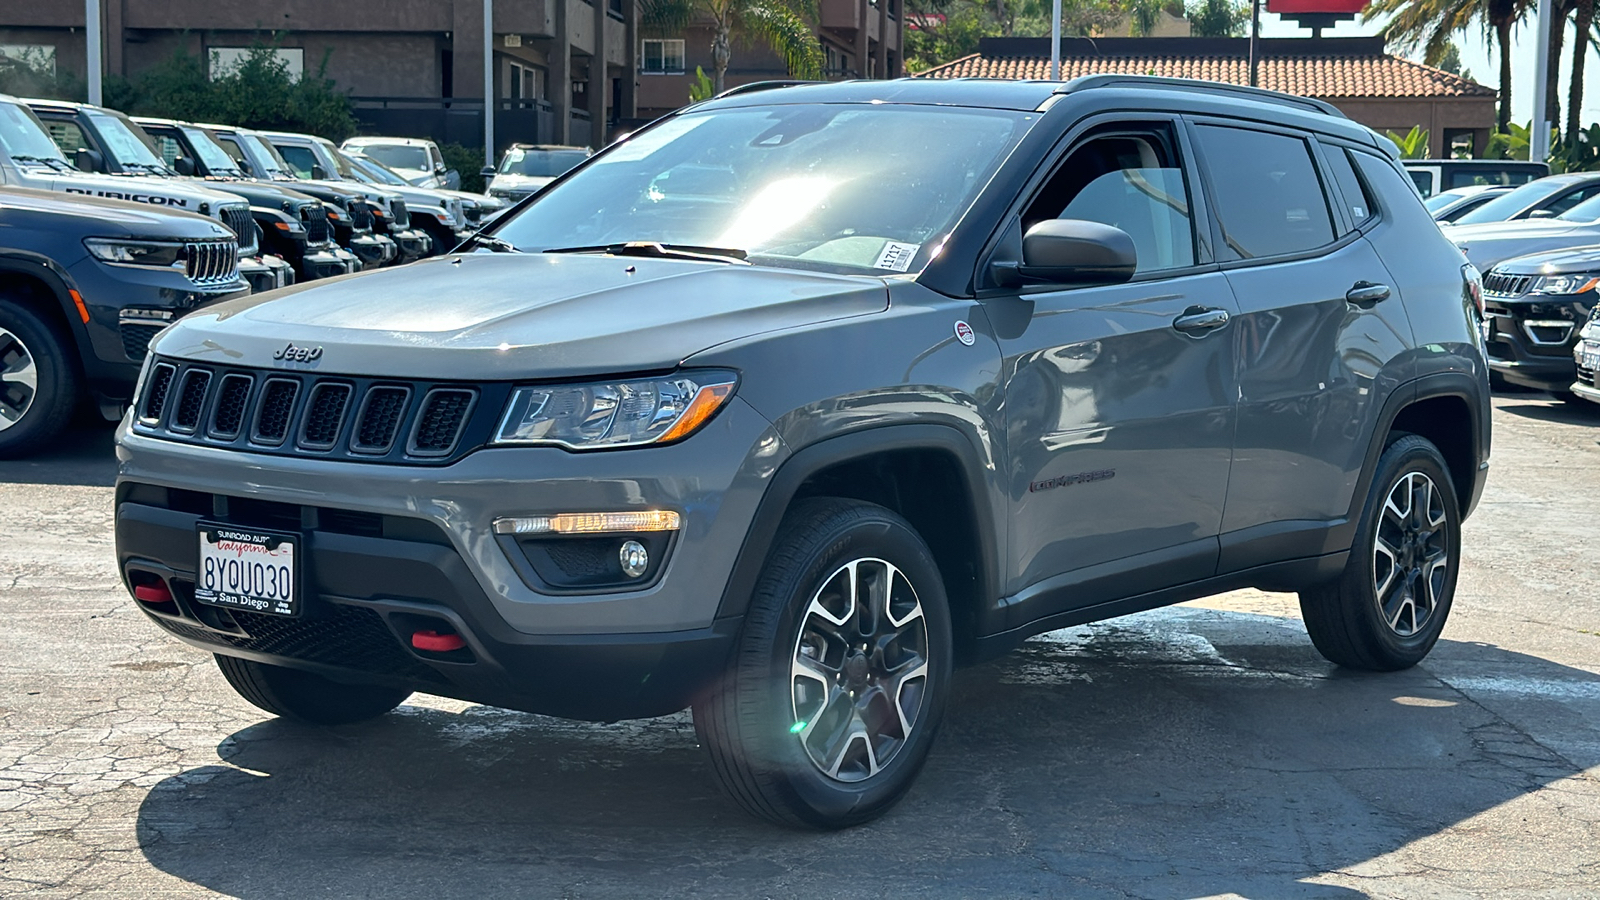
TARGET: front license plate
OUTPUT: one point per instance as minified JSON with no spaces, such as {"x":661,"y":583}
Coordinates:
{"x":243,"y":568}
{"x":1589,"y":356}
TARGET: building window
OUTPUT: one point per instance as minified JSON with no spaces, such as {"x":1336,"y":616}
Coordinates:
{"x":225,"y":60}
{"x":38,"y":58}
{"x":662,"y":57}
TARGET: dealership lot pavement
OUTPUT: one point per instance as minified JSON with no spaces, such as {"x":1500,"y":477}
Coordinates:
{"x":1199,"y":751}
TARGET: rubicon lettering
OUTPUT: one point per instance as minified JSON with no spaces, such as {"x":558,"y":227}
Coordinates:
{"x":1064,"y":480}
{"x":155,"y":199}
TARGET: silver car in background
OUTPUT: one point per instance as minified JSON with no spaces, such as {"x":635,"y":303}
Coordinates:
{"x":1489,"y":243}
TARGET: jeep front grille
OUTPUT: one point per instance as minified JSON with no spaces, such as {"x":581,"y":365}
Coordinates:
{"x":402,"y":218}
{"x":1506,"y":285}
{"x":306,"y":414}
{"x":239,"y":221}
{"x":211,"y":262}
{"x":360,"y":216}
{"x":315,"y":220}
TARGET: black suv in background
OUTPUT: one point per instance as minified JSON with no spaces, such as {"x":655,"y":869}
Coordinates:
{"x":85,"y":283}
{"x":792,"y":401}
{"x":295,"y":225}
{"x":1534,"y":308}
{"x":348,"y":209}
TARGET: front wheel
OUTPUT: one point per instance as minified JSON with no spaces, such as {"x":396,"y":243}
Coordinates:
{"x":831,"y":702}
{"x":1388,"y":608}
{"x":307,"y":696}
{"x":38,"y":380}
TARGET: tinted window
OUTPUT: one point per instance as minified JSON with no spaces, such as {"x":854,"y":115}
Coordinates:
{"x":1132,"y":182}
{"x":67,"y":136}
{"x":1513,"y":202}
{"x":1423,"y":181}
{"x":398,"y":156}
{"x":1358,"y":205}
{"x":1466,"y":178}
{"x":301,"y":159}
{"x":1568,"y":201}
{"x":1269,"y":200}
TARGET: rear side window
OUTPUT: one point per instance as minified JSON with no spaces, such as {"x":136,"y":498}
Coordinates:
{"x":1357,"y":202}
{"x":67,"y":136}
{"x":1269,"y":200}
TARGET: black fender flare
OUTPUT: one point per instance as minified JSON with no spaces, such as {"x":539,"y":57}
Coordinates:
{"x":828,"y":452}
{"x":48,"y":272}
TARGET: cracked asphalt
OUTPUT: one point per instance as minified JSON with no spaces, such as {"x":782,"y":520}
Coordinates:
{"x":1200,"y":751}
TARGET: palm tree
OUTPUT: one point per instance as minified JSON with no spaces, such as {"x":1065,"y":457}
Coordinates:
{"x":782,"y":25}
{"x":1580,"y":50}
{"x":1431,"y":24}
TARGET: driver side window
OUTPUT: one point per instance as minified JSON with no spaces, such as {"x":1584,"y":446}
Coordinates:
{"x":1129,"y":178}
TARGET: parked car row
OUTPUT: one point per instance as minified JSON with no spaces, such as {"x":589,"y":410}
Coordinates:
{"x":118,"y":226}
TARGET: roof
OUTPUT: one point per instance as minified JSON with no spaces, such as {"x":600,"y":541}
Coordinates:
{"x":1015,"y":95}
{"x":401,"y":141}
{"x":1328,"y":68}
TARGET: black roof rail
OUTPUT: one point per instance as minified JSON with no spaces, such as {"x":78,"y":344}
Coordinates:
{"x":754,"y":86}
{"x":1087,"y":82}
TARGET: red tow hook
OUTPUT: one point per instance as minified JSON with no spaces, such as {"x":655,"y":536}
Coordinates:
{"x":434,"y":642}
{"x":153,"y":593}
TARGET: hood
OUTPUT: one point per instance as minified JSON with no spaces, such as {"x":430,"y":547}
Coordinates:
{"x":1555,"y":262}
{"x":185,"y":195}
{"x":1521,"y":228}
{"x":525,"y":184}
{"x":519,"y":316}
{"x":1491,"y":243}
{"x":93,"y":217}
{"x":263,"y":193}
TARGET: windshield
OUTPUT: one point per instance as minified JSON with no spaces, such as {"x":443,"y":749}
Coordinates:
{"x":372,"y":172}
{"x":1587,"y":211}
{"x":267,"y":156}
{"x":330,"y":152}
{"x":1510,"y":203}
{"x":1440,"y":201}
{"x":840,"y":187}
{"x":398,"y":156}
{"x":23,"y":135}
{"x":126,"y":146}
{"x":216,"y":160}
{"x":540,"y":163}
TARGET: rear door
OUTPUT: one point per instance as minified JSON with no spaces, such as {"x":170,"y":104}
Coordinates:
{"x":1321,"y":327}
{"x":1119,"y":399}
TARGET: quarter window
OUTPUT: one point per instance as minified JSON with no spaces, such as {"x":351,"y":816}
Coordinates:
{"x":662,"y":57}
{"x":1268,"y":199}
{"x":1357,"y":202}
{"x":1129,"y":180}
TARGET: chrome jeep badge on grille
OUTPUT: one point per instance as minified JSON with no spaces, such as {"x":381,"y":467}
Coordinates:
{"x":292,"y":353}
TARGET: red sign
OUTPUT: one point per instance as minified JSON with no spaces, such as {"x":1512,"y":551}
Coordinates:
{"x":1294,"y":7}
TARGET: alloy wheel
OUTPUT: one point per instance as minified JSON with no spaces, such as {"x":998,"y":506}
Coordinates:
{"x":859,"y":676}
{"x":1410,"y":554}
{"x":19,"y":379}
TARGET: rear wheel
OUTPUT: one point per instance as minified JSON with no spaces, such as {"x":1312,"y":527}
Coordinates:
{"x":831,"y":702}
{"x":1388,"y":608}
{"x":38,"y":380}
{"x":306,"y":696}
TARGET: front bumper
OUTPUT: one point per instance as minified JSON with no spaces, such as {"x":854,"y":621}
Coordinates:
{"x":393,"y":549}
{"x":265,"y":273}
{"x":327,"y":263}
{"x":413,"y":243}
{"x":1544,"y":364}
{"x":373,"y":249}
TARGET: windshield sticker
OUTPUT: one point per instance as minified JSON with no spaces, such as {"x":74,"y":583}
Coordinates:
{"x":641,"y":145}
{"x":896,"y":257}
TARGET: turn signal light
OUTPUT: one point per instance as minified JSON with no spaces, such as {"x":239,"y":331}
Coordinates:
{"x":153,"y":593}
{"x":434,"y":642}
{"x":592,"y":523}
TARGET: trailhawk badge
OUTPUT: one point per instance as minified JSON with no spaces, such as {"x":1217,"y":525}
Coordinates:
{"x":964,"y":333}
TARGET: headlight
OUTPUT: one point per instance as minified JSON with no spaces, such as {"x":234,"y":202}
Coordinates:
{"x":614,"y":414}
{"x":1564,"y":284}
{"x":134,"y":253}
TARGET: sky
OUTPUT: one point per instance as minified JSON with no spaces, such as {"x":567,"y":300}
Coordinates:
{"x":1481,"y":57}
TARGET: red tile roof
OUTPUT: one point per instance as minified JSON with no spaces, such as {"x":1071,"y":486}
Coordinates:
{"x":1355,"y":67}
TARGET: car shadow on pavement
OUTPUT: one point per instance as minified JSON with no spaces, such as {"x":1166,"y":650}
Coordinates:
{"x":1544,"y":408}
{"x":82,"y":455}
{"x":1181,"y":753}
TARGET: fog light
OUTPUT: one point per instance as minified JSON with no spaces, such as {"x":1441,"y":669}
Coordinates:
{"x":635,"y":559}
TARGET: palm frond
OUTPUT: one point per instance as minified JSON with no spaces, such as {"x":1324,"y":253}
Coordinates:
{"x":775,"y":24}
{"x":674,"y":15}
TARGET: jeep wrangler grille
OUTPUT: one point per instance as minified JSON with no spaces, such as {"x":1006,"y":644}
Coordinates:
{"x":307,"y":414}
{"x":315,"y":220}
{"x":240,"y":222}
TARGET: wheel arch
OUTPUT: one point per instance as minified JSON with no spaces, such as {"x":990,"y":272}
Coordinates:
{"x":931,"y":475}
{"x":36,"y":282}
{"x":1448,"y":410}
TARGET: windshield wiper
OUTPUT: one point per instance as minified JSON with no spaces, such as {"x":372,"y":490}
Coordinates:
{"x":662,"y":251}
{"x":49,"y":162}
{"x":498,"y":245}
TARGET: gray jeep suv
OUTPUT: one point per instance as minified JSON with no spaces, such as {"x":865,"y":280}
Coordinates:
{"x":792,"y":402}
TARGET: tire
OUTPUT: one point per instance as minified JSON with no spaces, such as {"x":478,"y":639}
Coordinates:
{"x":38,"y":380}
{"x":306,"y":696}
{"x":801,"y":620}
{"x":1412,"y":507}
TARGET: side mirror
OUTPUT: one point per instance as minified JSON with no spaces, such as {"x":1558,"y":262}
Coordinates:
{"x":246,"y":166}
{"x":1072,"y":251}
{"x":1542,"y":214}
{"x":89,"y":160}
{"x":487,"y":171}
{"x":184,"y":166}
{"x":318,"y":173}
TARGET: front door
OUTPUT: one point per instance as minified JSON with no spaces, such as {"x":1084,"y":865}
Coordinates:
{"x":1119,"y":399}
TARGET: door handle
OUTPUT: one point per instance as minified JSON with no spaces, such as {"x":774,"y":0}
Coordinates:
{"x":1366,"y":293}
{"x":1199,"y":321}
